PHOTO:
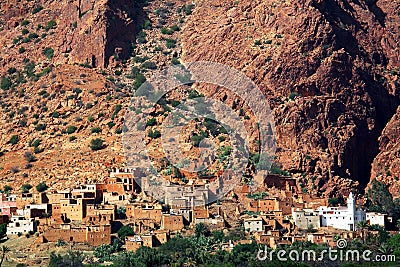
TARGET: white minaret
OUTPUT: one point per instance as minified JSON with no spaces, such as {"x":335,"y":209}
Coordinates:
{"x":351,"y":211}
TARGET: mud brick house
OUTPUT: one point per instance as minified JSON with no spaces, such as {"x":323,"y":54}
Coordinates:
{"x":144,"y":211}
{"x":98,"y":219}
{"x":186,"y":197}
{"x":217,"y":222}
{"x":306,"y":218}
{"x":132,"y":243}
{"x":73,"y":209}
{"x":122,"y":181}
{"x":31,"y":198}
{"x":200,"y":212}
{"x":55,"y":196}
{"x":8,"y":205}
{"x":93,"y":192}
{"x":93,"y":210}
{"x":172,"y":222}
{"x":154,"y":239}
{"x":94,"y":235}
{"x":269,"y":204}
{"x":285,"y":183}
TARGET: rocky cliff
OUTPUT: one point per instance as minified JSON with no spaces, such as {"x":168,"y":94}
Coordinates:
{"x":329,"y":69}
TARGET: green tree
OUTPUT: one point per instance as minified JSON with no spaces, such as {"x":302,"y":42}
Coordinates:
{"x":7,"y":189}
{"x":201,"y":229}
{"x":72,"y":258}
{"x":25,"y":188}
{"x":41,"y":187}
{"x":125,"y":231}
{"x":381,"y":200}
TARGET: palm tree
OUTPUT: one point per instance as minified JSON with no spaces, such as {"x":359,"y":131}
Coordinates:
{"x":363,"y":225}
{"x":385,"y":249}
{"x":4,"y":251}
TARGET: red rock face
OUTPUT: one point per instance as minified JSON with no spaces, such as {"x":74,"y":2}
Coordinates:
{"x":339,"y":56}
{"x":386,"y":165}
{"x":88,"y":32}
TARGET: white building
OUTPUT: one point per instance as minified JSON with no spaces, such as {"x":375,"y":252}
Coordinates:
{"x":253,"y":224}
{"x":345,"y":218}
{"x":376,"y":218}
{"x":18,"y":224}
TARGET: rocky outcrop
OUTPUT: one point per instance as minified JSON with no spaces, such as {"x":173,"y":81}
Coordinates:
{"x":386,"y":165}
{"x":87,"y":32}
{"x":325,"y":66}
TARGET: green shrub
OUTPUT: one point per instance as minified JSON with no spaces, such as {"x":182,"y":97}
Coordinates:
{"x":24,"y":31}
{"x":154,"y":134}
{"x":149,"y":65}
{"x":139,"y":80}
{"x":95,"y":130}
{"x":117,"y":109}
{"x":51,"y":24}
{"x":33,"y":35}
{"x":13,"y":140}
{"x":25,"y":188}
{"x":110,"y":124}
{"x":170,"y":43}
{"x":72,"y":138}
{"x":5,"y":83}
{"x":35,"y":142}
{"x":293,"y":95}
{"x":41,"y":187}
{"x":24,"y":22}
{"x":175,"y":103}
{"x":97,"y":144}
{"x":37,"y":9}
{"x":40,"y":127}
{"x":188,"y":9}
{"x":147,"y":25}
{"x":55,"y":114}
{"x":48,"y":52}
{"x":7,"y":189}
{"x":174,"y":28}
{"x":196,"y":139}
{"x":71,"y":129}
{"x":151,"y":122}
{"x":21,"y":50}
{"x":29,"y":157}
{"x":166,"y":31}
{"x":175,"y":61}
